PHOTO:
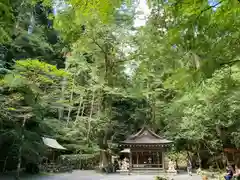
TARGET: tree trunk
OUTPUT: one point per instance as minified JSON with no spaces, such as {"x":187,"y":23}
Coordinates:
{"x":20,"y":148}
{"x":90,"y":116}
{"x":4,"y":165}
{"x":189,"y":157}
{"x":153,"y":112}
{"x":176,"y":164}
{"x":103,"y":159}
{"x":199,"y":157}
{"x":64,"y":82}
{"x":216,"y":161}
{"x":106,"y":101}
{"x":79,"y":108}
{"x":71,"y":98}
{"x":83,"y":108}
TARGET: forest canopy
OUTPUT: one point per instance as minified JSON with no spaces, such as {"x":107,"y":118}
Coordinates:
{"x":81,"y":72}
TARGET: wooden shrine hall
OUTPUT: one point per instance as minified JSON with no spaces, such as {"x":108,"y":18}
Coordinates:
{"x":146,"y":150}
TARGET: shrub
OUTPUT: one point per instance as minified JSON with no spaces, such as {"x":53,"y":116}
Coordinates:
{"x":80,"y":161}
{"x":160,"y":178}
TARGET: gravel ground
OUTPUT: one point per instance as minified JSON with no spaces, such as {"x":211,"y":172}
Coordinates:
{"x":91,"y":175}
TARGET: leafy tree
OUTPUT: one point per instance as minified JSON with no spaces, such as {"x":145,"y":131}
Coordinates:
{"x":178,"y":74}
{"x":23,"y":107}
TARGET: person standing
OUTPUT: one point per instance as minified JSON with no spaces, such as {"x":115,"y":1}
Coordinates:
{"x":189,"y":167}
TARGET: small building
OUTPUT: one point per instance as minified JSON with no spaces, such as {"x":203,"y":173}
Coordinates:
{"x":52,"y":143}
{"x":146,"y":150}
{"x":53,"y":148}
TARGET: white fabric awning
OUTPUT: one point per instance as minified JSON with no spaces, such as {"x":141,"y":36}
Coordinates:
{"x":126,"y":151}
{"x":52,"y":143}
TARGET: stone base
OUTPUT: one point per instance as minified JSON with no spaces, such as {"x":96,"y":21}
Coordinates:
{"x":123,"y":171}
{"x":172,"y":171}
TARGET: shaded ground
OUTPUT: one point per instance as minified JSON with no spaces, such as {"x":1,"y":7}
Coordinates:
{"x":91,"y":175}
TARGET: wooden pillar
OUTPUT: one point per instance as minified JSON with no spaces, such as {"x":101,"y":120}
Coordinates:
{"x":163,"y":159}
{"x":130,"y":161}
{"x":137,"y":158}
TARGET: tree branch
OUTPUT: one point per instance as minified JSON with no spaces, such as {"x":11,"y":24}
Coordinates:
{"x":230,"y":62}
{"x":210,"y":7}
{"x":99,"y":46}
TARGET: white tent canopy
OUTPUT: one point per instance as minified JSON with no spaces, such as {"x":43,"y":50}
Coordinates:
{"x":52,"y":143}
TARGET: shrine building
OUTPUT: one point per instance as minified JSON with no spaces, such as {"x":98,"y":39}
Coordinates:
{"x":146,"y":150}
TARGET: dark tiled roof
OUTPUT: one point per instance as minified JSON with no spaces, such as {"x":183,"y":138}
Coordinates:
{"x":146,"y":136}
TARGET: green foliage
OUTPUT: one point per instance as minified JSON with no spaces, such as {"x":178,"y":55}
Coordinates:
{"x":183,"y":79}
{"x":23,"y":97}
{"x":101,"y":11}
{"x":33,"y":73}
{"x":159,"y":178}
{"x":188,"y":70}
{"x":81,"y":161}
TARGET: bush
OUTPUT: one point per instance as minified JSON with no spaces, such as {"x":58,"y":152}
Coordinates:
{"x":80,"y":161}
{"x":160,"y":178}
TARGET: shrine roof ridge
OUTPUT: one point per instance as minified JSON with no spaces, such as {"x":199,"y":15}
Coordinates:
{"x":146,"y":136}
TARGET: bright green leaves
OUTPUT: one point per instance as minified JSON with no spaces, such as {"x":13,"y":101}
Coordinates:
{"x":38,"y":67}
{"x":188,"y":73}
{"x":181,"y":78}
{"x":211,"y":104}
{"x":33,"y":73}
{"x":81,"y":12}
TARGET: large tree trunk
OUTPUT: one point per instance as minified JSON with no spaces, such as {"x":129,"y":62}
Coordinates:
{"x":106,"y":105}
{"x":103,"y":159}
{"x":105,"y":155}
